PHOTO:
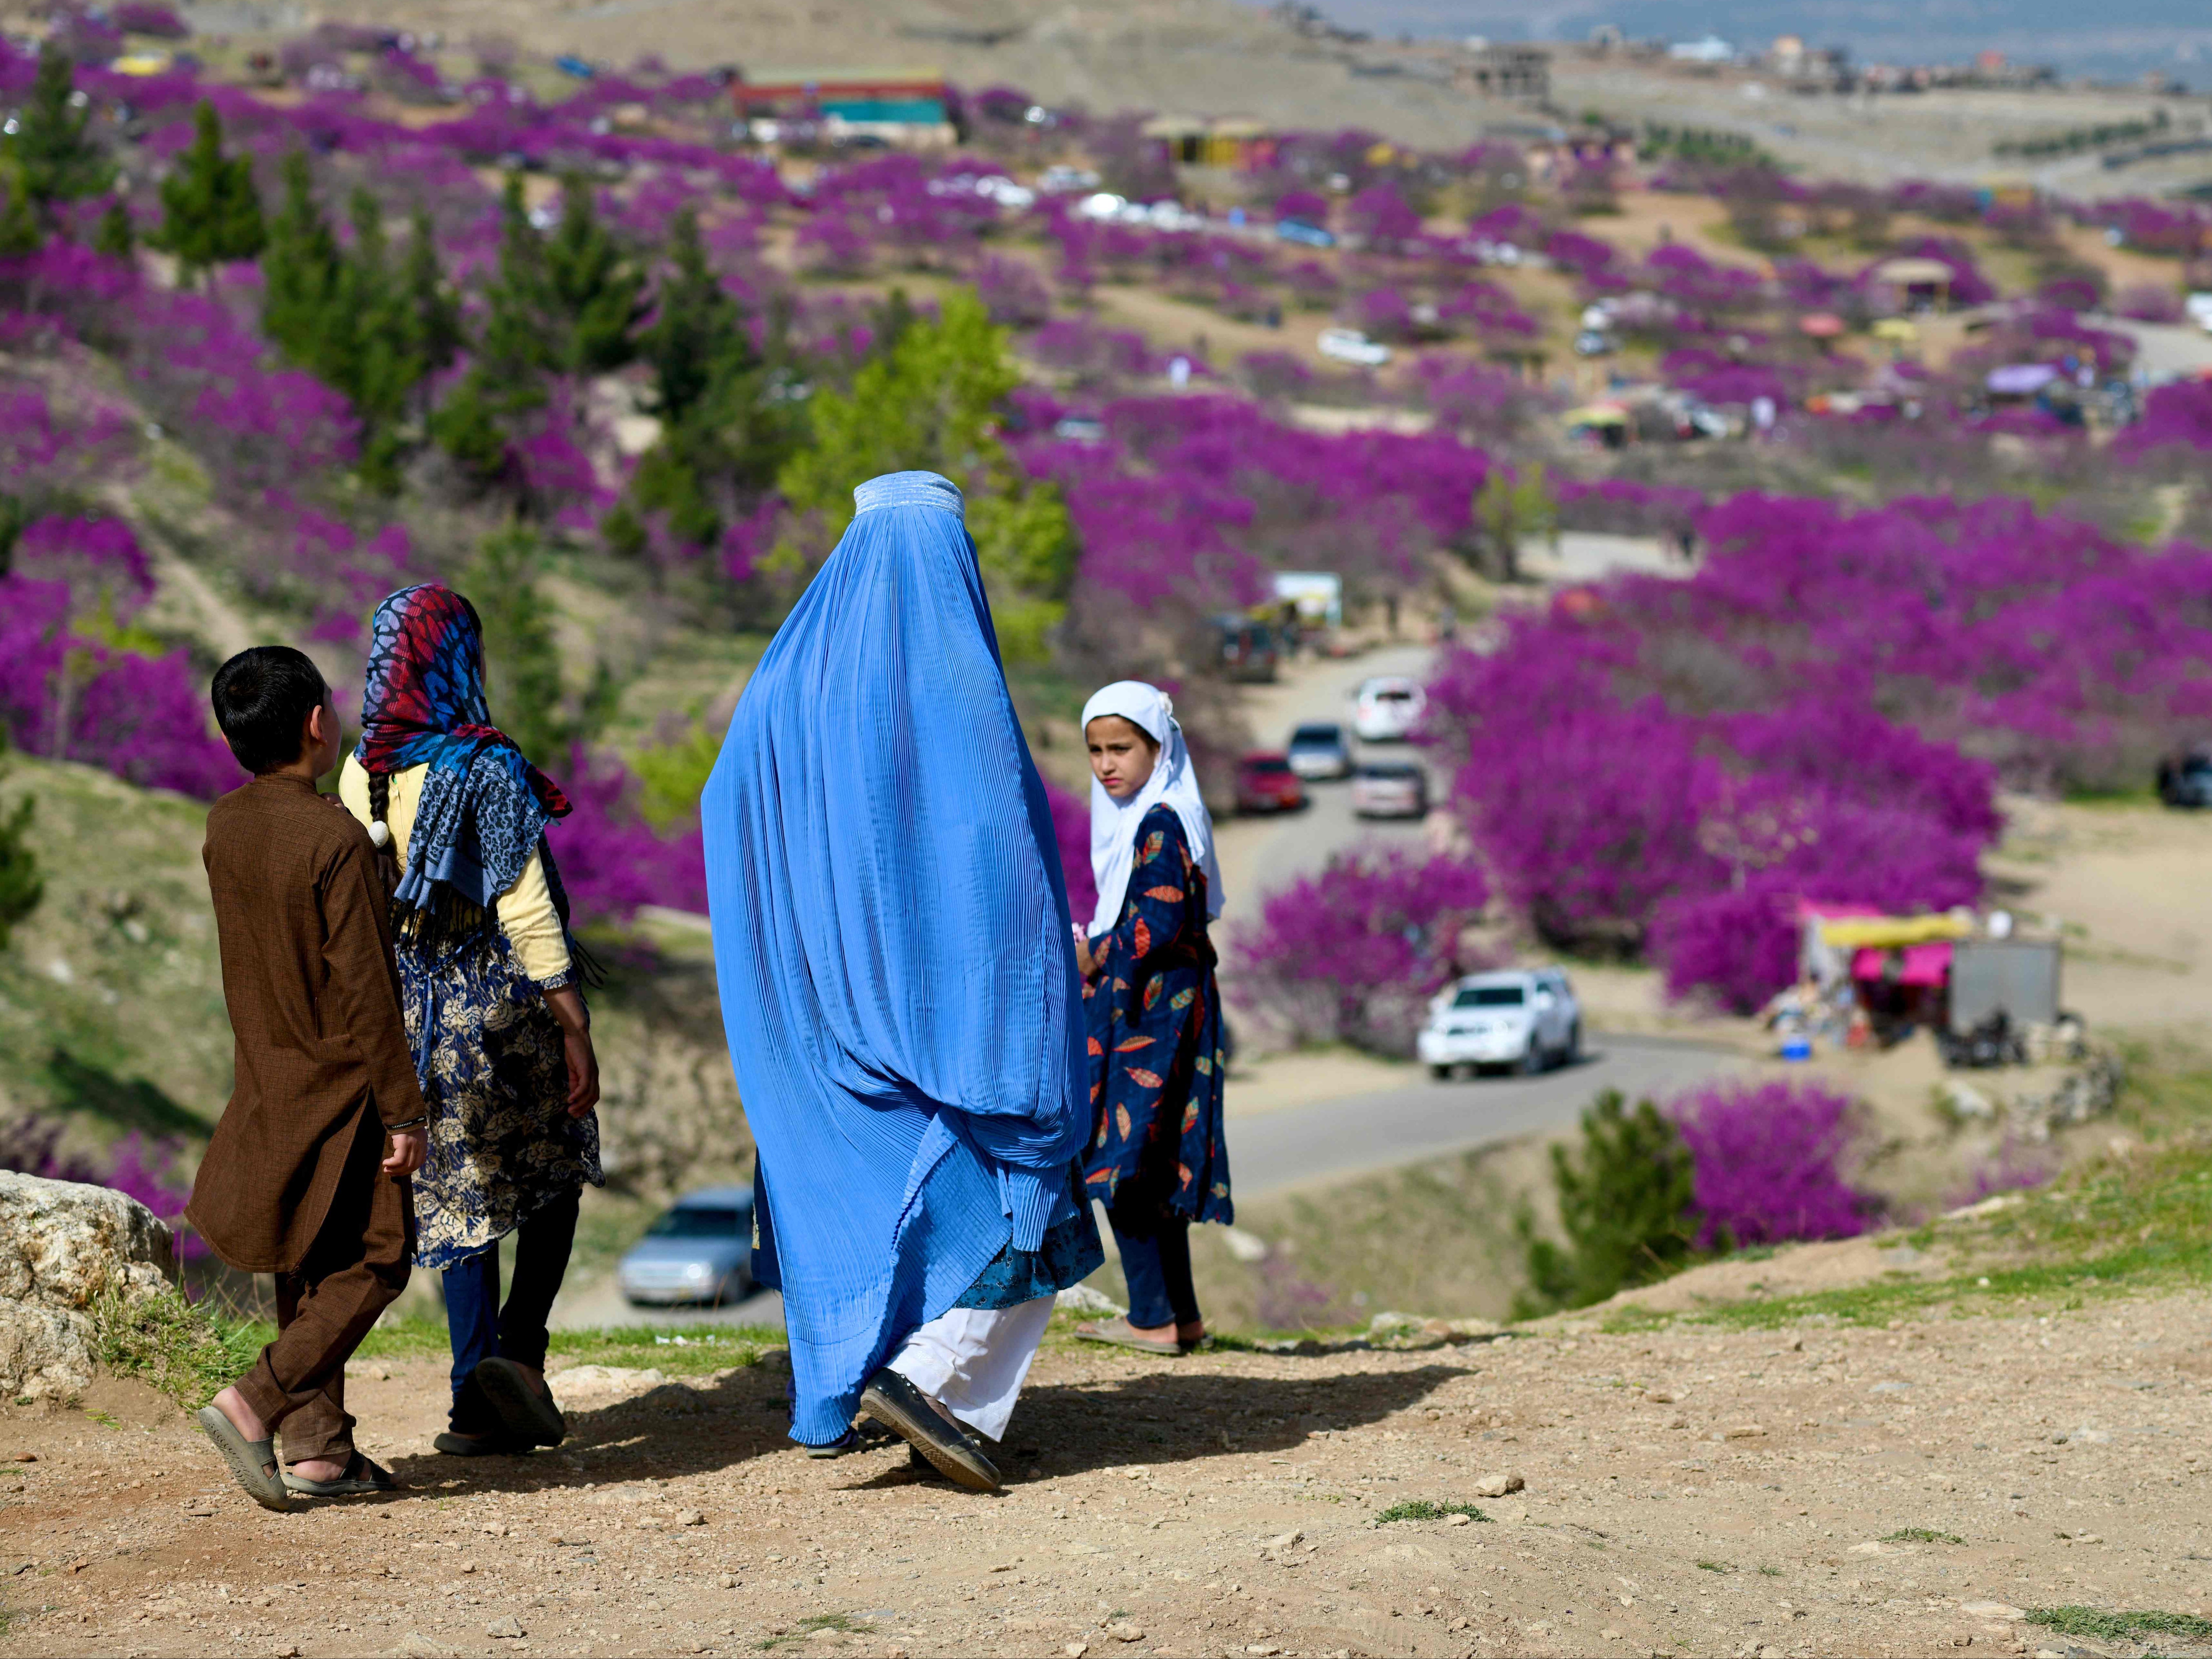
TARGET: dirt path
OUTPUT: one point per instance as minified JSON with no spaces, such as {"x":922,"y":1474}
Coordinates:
{"x":1688,"y":1491}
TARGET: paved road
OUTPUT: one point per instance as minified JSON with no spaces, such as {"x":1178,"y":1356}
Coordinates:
{"x":2168,"y":351}
{"x":1331,"y":1140}
{"x":1259,"y":855}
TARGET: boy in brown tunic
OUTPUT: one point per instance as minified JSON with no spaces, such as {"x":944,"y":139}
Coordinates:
{"x":298,"y":1181}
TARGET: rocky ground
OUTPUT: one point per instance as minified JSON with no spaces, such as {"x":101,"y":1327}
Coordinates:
{"x":1690,"y":1489}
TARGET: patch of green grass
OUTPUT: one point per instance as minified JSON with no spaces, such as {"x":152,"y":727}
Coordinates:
{"x":182,"y":1349}
{"x":679,"y":1350}
{"x":2099,"y":1625}
{"x":1770,"y":1572}
{"x":1715,"y":1566}
{"x":1423,"y":1508}
{"x":1921,"y":1535}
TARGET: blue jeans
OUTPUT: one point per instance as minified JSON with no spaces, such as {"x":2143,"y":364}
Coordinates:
{"x":481,"y":1327}
{"x":1156,"y":1262}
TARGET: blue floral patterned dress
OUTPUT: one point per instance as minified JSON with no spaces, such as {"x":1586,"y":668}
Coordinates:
{"x":1156,"y":1059}
{"x":488,"y":1053}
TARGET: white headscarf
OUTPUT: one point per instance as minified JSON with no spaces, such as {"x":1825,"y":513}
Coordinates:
{"x":1174,"y":783}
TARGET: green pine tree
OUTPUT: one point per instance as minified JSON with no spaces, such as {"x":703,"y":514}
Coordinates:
{"x":1627,"y":1205}
{"x":115,"y":236}
{"x":59,"y":162}
{"x":300,"y":273}
{"x":434,"y":311}
{"x":697,"y":324}
{"x":21,"y":884}
{"x":515,"y":352}
{"x":594,"y":290}
{"x":384,"y":363}
{"x":466,"y":427}
{"x":211,"y":213}
{"x":528,"y":694}
{"x":20,"y":232}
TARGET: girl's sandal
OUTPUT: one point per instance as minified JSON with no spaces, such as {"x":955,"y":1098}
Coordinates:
{"x":1120,"y":1333}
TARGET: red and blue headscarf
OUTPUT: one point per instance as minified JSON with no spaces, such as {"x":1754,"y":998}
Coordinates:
{"x":484,"y":807}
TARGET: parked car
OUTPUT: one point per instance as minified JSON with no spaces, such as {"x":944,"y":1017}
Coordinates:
{"x":1524,"y":1019}
{"x":1389,"y":707}
{"x":1305,"y":236}
{"x":2186,"y":779}
{"x":701,"y":1249}
{"x":1320,"y":751}
{"x":1349,"y":346}
{"x":1265,"y":783}
{"x":1390,"y":789}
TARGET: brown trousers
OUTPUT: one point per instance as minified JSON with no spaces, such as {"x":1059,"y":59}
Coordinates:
{"x":353,"y":1272}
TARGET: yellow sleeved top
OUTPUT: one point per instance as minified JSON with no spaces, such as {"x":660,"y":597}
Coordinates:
{"x":527,"y":914}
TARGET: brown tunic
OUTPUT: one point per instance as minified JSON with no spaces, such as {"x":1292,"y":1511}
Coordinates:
{"x":300,"y":911}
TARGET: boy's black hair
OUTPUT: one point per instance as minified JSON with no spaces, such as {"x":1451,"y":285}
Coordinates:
{"x":261,"y":696}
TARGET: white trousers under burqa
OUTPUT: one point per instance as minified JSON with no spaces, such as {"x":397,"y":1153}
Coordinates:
{"x":973,"y":1361}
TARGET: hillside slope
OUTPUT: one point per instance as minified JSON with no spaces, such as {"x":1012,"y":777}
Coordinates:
{"x":1206,"y":57}
{"x":111,"y":995}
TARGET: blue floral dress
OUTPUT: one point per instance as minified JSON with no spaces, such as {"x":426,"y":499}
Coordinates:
{"x":487,"y":1053}
{"x":1156,"y":1059}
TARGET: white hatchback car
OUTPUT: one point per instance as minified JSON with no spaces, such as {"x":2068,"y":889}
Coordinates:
{"x":1389,"y":707}
{"x":1525,"y":1018}
{"x":1349,"y":346}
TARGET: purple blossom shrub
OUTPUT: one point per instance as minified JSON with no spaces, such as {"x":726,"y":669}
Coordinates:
{"x":67,"y":694}
{"x":1767,"y":1160}
{"x":1820,"y":713}
{"x":2177,"y":419}
{"x":1071,"y":826}
{"x":2150,"y":303}
{"x":149,"y":17}
{"x":1353,"y":954}
{"x":611,"y":860}
{"x":1012,"y":292}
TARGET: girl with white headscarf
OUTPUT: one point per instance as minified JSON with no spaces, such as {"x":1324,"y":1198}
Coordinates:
{"x":1156,"y":1159}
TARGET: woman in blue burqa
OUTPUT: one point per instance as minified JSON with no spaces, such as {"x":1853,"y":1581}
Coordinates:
{"x":899,"y":986}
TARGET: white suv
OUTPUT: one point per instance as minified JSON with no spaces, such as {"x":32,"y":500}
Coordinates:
{"x":1389,"y":707}
{"x":1525,"y":1018}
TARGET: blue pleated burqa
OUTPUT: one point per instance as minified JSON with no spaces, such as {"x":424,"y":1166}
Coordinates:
{"x":891,"y":935}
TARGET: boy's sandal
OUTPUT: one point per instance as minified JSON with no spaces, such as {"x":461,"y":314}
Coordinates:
{"x":361,"y":1478}
{"x":481,"y":1445}
{"x":252,"y":1463}
{"x":1122,"y":1335}
{"x":528,"y":1414}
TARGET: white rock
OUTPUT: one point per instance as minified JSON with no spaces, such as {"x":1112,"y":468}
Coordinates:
{"x":1496,"y":1485}
{"x":416,"y":1646}
{"x":1991,"y":1610}
{"x":65,"y":1246}
{"x":1122,"y":1630}
{"x":601,"y":1382}
{"x":1245,"y":1247}
{"x":1285,"y":1540}
{"x":690,"y":1518}
{"x":508,"y":1629}
{"x":1082,"y":1299}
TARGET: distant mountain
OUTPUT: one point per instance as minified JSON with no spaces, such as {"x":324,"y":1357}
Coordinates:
{"x":2119,"y":40}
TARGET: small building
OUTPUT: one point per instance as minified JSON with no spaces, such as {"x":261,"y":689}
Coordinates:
{"x":1192,"y":141}
{"x":1499,"y":70}
{"x":906,"y":107}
